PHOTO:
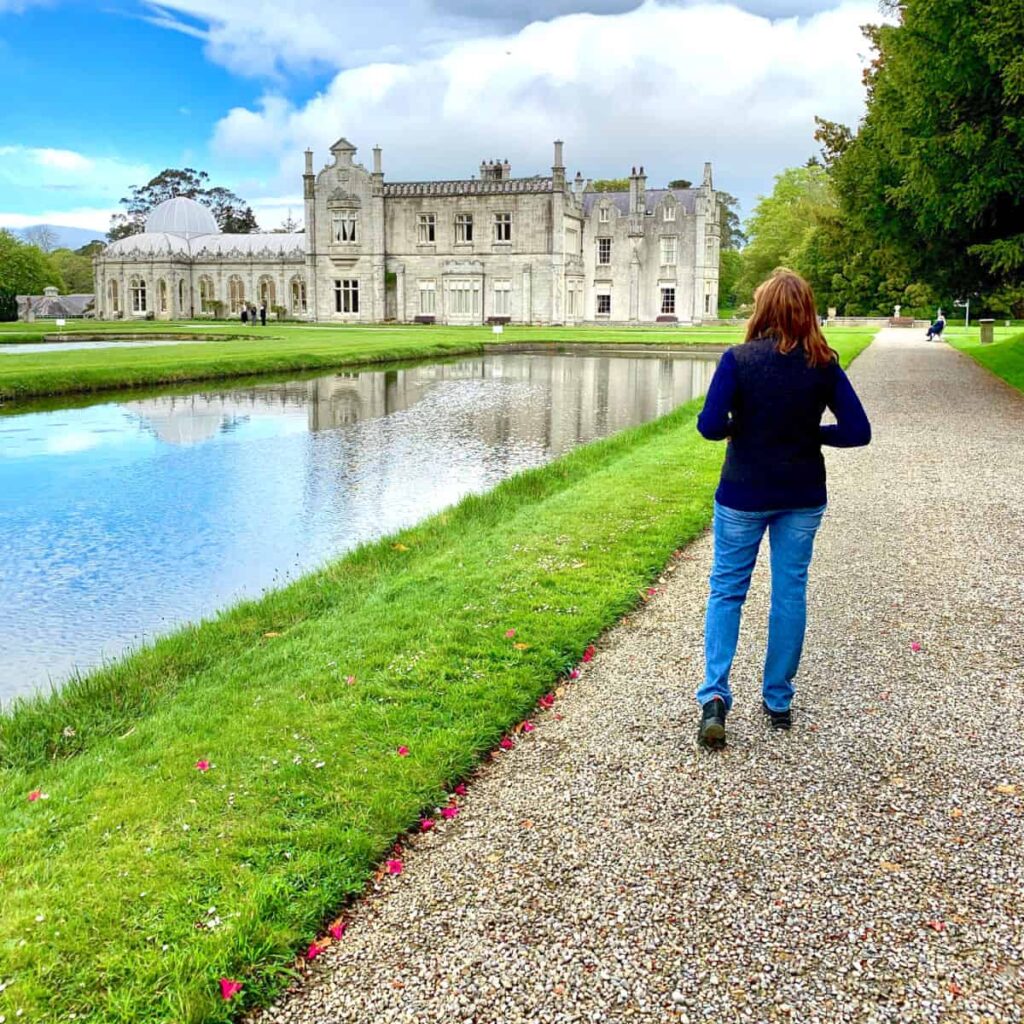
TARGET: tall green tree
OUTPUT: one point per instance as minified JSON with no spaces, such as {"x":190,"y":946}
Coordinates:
{"x":24,"y":269}
{"x":75,"y":268}
{"x":782,"y":222}
{"x":732,"y":236}
{"x":233,"y":215}
{"x":609,"y":185}
{"x":935,"y":171}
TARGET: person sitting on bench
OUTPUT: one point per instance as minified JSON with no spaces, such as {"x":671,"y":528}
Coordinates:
{"x":935,"y":331}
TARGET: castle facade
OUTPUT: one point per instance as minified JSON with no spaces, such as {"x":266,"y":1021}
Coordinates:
{"x":488,"y":249}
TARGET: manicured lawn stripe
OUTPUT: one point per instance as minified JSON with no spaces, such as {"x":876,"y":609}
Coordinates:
{"x":1004,"y":357}
{"x":289,"y":348}
{"x":101,"y":876}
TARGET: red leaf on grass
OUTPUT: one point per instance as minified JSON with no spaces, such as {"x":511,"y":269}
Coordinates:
{"x":229,"y":988}
{"x":403,"y":751}
{"x":202,"y":766}
{"x":510,"y":633}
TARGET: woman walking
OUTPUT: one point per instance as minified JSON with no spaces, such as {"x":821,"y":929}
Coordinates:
{"x":767,"y":398}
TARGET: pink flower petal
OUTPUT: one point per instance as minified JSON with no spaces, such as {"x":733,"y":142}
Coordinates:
{"x":34,"y":795}
{"x":510,"y":633}
{"x":507,"y":743}
{"x":574,"y":673}
{"x":588,"y":654}
{"x":426,"y":824}
{"x":403,"y":751}
{"x":394,"y":867}
{"x":651,"y":591}
{"x":528,"y":727}
{"x":915,"y":646}
{"x":937,"y":926}
{"x":460,"y":789}
{"x":449,"y":812}
{"x":203,"y":766}
{"x":351,"y":680}
{"x":314,"y":951}
{"x":547,"y":700}
{"x":337,"y":930}
{"x":229,"y":988}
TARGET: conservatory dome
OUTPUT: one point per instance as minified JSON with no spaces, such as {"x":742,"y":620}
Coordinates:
{"x":181,"y":216}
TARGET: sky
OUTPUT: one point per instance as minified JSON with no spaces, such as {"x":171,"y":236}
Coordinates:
{"x":100,"y":97}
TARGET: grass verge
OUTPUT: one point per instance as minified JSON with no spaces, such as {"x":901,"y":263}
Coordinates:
{"x":107,"y":884}
{"x":234,"y":353}
{"x":1004,"y":357}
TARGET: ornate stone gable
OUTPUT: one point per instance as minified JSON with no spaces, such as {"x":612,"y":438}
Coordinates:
{"x":340,"y":199}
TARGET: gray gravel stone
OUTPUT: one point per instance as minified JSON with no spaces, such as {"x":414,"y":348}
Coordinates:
{"x":867,"y":867}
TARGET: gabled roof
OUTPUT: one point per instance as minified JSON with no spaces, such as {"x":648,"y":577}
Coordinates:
{"x":620,"y":200}
{"x":343,"y":143}
{"x":468,"y":187}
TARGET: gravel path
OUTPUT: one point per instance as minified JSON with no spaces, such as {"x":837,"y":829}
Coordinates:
{"x":867,"y":867}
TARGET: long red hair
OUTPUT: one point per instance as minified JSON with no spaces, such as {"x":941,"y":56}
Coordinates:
{"x":784,"y":309}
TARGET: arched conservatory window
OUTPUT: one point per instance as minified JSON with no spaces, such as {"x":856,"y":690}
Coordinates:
{"x":114,"y":296}
{"x":162,"y":293}
{"x":236,"y":293}
{"x":267,"y":291}
{"x":181,"y":299}
{"x":298,"y":295}
{"x":206,"y":294}
{"x":138,"y":290}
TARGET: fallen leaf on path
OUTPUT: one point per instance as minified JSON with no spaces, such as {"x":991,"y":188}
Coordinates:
{"x":1006,"y":788}
{"x":393,"y":867}
{"x":888,"y":865}
{"x":337,"y":930}
{"x":271,"y":633}
{"x":937,"y":926}
{"x":426,"y":824}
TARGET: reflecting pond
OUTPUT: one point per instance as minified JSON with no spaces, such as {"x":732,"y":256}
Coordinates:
{"x":121,"y":520}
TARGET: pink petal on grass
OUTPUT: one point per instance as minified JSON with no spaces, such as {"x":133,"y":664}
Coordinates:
{"x":229,"y":988}
{"x":449,"y":812}
{"x":351,"y":680}
{"x":35,"y":795}
{"x":509,"y":633}
{"x":337,"y":930}
{"x":393,"y":867}
{"x":426,"y":824}
{"x":460,"y":789}
{"x":202,"y":766}
{"x":403,"y":751}
{"x":915,"y":646}
{"x":528,"y":727}
{"x":507,"y":743}
{"x":588,"y":654}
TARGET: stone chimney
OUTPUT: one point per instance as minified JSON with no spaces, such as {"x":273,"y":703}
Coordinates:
{"x":376,"y":160}
{"x":558,"y":168}
{"x":706,"y":183}
{"x":308,"y":179}
{"x":641,"y":191}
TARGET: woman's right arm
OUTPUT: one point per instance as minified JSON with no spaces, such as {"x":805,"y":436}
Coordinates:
{"x":851,"y":429}
{"x":714,"y":421}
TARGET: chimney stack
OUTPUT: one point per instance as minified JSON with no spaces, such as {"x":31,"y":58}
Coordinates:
{"x":376,"y":160}
{"x":558,"y":169}
{"x":309,"y":161}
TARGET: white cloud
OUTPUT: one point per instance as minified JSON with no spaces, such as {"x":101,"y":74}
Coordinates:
{"x":664,"y":85}
{"x":69,"y":171}
{"x":87,"y":217}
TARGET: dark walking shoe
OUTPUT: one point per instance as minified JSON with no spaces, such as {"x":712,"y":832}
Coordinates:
{"x":712,"y":724}
{"x":778,"y":719}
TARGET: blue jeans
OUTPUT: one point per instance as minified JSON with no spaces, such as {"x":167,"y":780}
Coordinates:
{"x":737,"y":537}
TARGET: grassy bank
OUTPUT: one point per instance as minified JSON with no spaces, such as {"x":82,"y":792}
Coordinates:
{"x":299,"y":702}
{"x":233,"y":353}
{"x":1004,"y":357}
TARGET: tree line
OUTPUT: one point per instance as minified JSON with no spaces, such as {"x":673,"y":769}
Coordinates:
{"x":923,"y":203}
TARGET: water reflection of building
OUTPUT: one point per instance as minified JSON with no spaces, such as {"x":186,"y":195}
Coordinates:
{"x":575,"y":398}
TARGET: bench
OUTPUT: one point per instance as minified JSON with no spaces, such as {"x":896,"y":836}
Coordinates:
{"x":498,"y":321}
{"x":901,"y":321}
{"x":667,"y":318}
{"x":424,"y":318}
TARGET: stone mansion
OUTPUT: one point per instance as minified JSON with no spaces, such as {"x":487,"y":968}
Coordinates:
{"x":486,"y":249}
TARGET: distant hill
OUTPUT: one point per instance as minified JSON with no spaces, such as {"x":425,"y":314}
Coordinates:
{"x":67,"y":238}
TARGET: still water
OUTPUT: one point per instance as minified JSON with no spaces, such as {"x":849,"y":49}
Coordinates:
{"x":121,"y":520}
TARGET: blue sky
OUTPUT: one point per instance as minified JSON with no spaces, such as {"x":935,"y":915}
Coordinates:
{"x":99,"y":98}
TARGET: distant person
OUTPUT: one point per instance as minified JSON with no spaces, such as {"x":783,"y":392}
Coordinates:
{"x":263,"y":314}
{"x":934,"y":332}
{"x":766,"y":399}
{"x":245,"y":314}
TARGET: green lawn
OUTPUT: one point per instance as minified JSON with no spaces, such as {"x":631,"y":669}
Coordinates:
{"x":108,"y":882}
{"x":1005,"y":357}
{"x":233,"y":352}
